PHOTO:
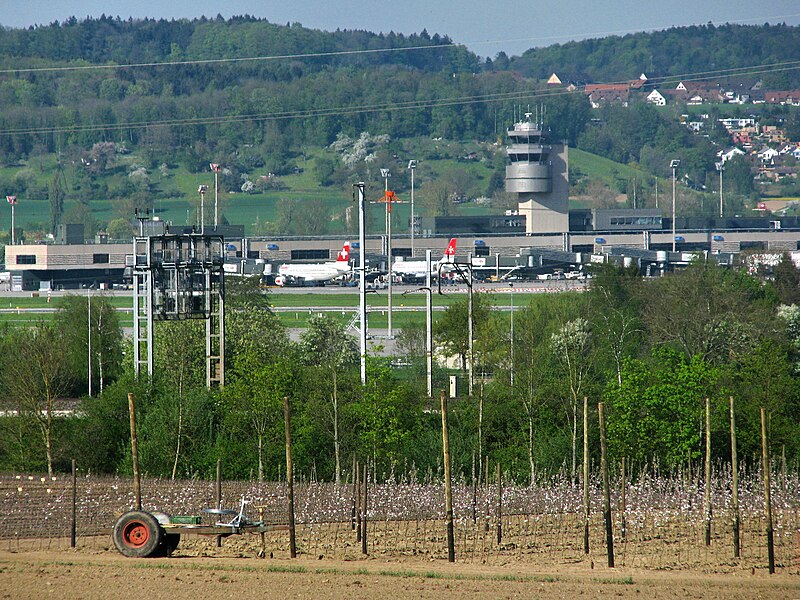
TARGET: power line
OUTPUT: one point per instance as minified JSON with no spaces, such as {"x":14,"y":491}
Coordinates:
{"x":537,"y":94}
{"x":212,"y":61}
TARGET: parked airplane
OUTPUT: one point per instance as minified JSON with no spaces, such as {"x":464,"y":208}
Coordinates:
{"x":301,"y":274}
{"x":417,"y":269}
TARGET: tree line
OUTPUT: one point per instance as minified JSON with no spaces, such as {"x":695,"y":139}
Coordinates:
{"x":652,"y":350}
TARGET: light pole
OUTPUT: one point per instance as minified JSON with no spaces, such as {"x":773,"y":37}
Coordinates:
{"x":12,"y":200}
{"x":412,"y":165}
{"x":511,"y":285}
{"x":202,"y":189}
{"x":428,"y":325}
{"x":720,"y":167}
{"x":674,"y":164}
{"x":216,"y":168}
{"x":89,"y":311}
{"x":362,"y":268}
{"x":386,"y":174}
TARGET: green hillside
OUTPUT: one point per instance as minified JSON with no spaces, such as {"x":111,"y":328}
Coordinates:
{"x":176,"y":199}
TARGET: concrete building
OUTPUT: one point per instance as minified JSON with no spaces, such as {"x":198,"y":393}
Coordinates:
{"x":538,"y":173}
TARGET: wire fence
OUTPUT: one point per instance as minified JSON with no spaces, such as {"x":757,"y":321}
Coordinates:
{"x":662,"y":525}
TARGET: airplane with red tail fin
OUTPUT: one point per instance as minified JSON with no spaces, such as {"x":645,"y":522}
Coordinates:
{"x":317,"y":273}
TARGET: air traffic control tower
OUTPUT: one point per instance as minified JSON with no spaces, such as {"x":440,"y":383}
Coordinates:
{"x":538,"y":173}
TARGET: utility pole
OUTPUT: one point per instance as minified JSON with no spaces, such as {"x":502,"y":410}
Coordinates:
{"x":362,"y":268}
{"x":470,"y":328}
{"x":512,"y":334}
{"x":428,"y":325}
{"x":388,"y":198}
{"x":720,"y":167}
{"x":12,"y":200}
{"x":89,"y":311}
{"x":674,"y":164}
{"x":202,"y":189}
{"x":412,"y":165}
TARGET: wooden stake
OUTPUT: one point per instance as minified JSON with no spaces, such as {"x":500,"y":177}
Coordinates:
{"x":499,"y":478}
{"x":783,"y":468}
{"x":622,"y":502}
{"x":359,"y":470}
{"x":474,"y":491}
{"x":73,"y":529}
{"x":606,"y":486}
{"x":488,"y":503}
{"x":767,"y":493}
{"x":734,"y":485}
{"x":137,"y":482}
{"x":218,"y":494}
{"x":707,"y":494}
{"x":448,"y":484}
{"x":353,"y":514}
{"x":289,"y":477}
{"x":585,"y":475}
{"x":364,"y":512}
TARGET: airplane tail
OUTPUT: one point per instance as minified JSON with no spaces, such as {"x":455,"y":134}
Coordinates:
{"x":450,"y":252}
{"x":344,"y":253}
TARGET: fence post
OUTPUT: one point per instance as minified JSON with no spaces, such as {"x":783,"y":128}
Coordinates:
{"x":606,"y":491}
{"x":74,"y":524}
{"x":359,"y":470}
{"x":499,"y":478}
{"x":487,"y":497}
{"x":474,"y":492}
{"x":707,"y":494}
{"x":355,"y":495}
{"x":137,"y":483}
{"x":289,"y":477}
{"x":767,"y":493}
{"x":585,"y":475}
{"x":364,"y":511}
{"x":622,"y":506}
{"x":734,"y":484}
{"x":218,"y":494}
{"x":448,"y":484}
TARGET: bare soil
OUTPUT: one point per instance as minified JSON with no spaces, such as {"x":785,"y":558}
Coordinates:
{"x":199,"y":569}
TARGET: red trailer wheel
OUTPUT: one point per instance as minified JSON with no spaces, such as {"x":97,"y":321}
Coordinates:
{"x":137,"y":534}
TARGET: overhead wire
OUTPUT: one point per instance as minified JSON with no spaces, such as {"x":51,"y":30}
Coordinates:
{"x":532,"y":94}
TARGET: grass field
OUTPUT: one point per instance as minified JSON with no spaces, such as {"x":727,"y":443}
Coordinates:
{"x":175,"y":197}
{"x":22,"y":310}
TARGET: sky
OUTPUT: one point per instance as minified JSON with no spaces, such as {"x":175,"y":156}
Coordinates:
{"x":485,"y":27}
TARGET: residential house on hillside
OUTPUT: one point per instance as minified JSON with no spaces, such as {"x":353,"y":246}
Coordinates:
{"x":767,"y":156}
{"x":608,"y":93}
{"x":655,"y":97}
{"x":732,"y":124}
{"x":554,"y":80}
{"x":771,"y":134}
{"x":614,"y":93}
{"x":790,"y":97}
{"x":729,"y":153}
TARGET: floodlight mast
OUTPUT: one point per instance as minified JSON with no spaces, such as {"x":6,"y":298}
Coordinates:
{"x":179,"y":277}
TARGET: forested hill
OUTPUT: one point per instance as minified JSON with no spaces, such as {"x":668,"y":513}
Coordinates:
{"x":112,"y":40}
{"x":673,"y":52}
